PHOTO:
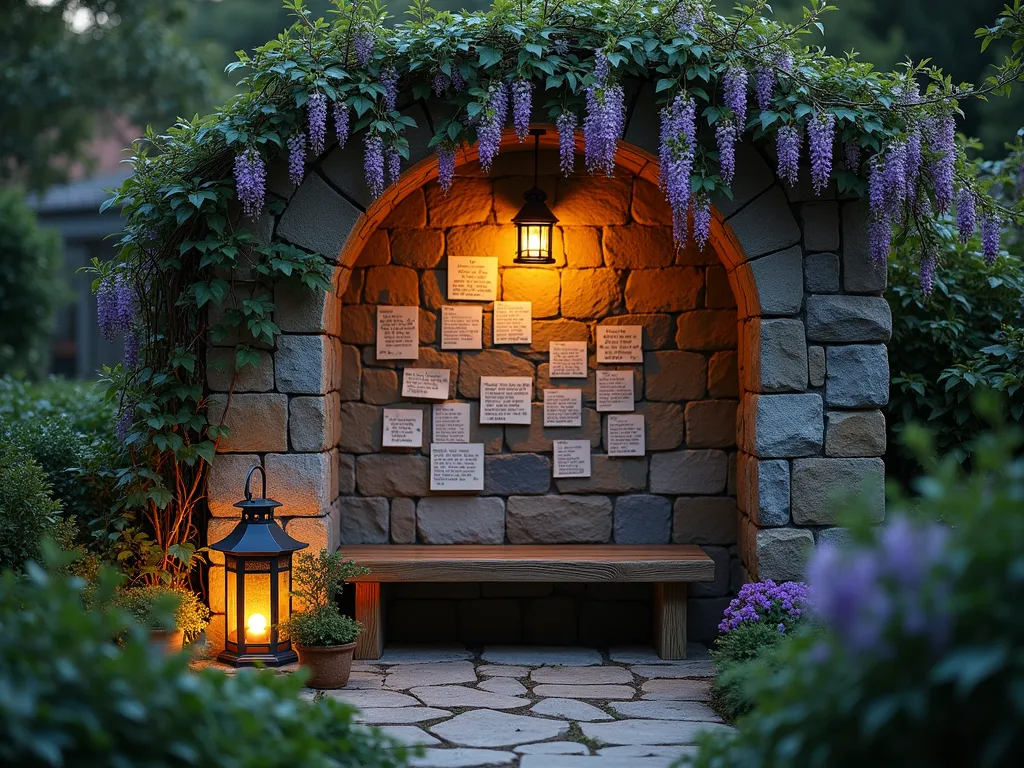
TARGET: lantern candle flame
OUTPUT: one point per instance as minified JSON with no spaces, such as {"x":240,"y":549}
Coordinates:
{"x":256,"y":626}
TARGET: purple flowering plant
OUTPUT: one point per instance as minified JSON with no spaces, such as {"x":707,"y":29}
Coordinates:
{"x":766,"y":602}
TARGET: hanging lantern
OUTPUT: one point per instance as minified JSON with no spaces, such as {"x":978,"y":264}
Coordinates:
{"x":257,"y":583}
{"x":535,"y":220}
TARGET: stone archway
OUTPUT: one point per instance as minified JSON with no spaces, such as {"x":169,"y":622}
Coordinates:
{"x":810,"y":328}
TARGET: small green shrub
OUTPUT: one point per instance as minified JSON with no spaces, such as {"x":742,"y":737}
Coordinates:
{"x":73,"y":698}
{"x":166,"y":608}
{"x":323,"y":626}
{"x":319,"y":579}
{"x":28,"y":512}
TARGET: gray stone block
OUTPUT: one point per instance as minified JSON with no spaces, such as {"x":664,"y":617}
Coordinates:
{"x":301,"y":365}
{"x":364,"y":520}
{"x":689,"y":472}
{"x":461,"y":520}
{"x":858,"y":376}
{"x":672,"y":375}
{"x":343,"y":170}
{"x":537,"y":438}
{"x":643,"y":519}
{"x":749,"y":225}
{"x":489,"y":362}
{"x":711,"y":424}
{"x":226,"y":482}
{"x":835,"y":537}
{"x":779,"y":278}
{"x":380,"y":386}
{"x":257,"y":422}
{"x":510,"y":473}
{"x":785,"y":425}
{"x":816,"y":366}
{"x":720,"y":586}
{"x":392,"y":475}
{"x":304,"y":483}
{"x":822,"y":486}
{"x":854,"y":433}
{"x":562,"y":519}
{"x":782,"y":360}
{"x":220,"y":371}
{"x":848,"y":319}
{"x":704,"y":520}
{"x":301,"y":309}
{"x":403,"y":521}
{"x":821,"y":273}
{"x":608,"y":475}
{"x":769,"y":489}
{"x":351,"y":373}
{"x":346,"y":474}
{"x":821,"y":226}
{"x":753,"y":176}
{"x":361,"y":427}
{"x":860,"y":273}
{"x":311,"y":422}
{"x":318,"y":219}
{"x":782,"y":553}
{"x":664,"y":425}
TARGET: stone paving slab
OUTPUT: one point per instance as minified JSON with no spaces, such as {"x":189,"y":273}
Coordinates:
{"x":506,"y":685}
{"x":404,"y":676}
{"x":502,"y":670}
{"x":581,"y":675}
{"x":409,"y":735}
{"x":649,"y":731}
{"x":364,"y":680}
{"x":462,"y":758}
{"x":667,"y":710}
{"x":644,"y":750}
{"x":531,"y":656}
{"x":570,"y":709}
{"x":677,"y":690}
{"x":423,"y":654}
{"x":584,"y":691}
{"x":400,"y":715}
{"x":553,"y":748}
{"x":677,"y":670}
{"x":643,"y":654}
{"x":364,"y":699}
{"x":459,"y":696}
{"x":487,"y":728}
{"x":597,"y":761}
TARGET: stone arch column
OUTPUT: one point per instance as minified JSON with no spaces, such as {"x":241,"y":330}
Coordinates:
{"x":811,"y":329}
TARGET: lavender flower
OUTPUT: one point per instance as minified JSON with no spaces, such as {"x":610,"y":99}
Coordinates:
{"x":106,"y":309}
{"x":677,"y":150}
{"x":566,"y":124}
{"x":784,"y":61}
{"x":701,"y":220}
{"x":821,"y":137}
{"x":602,"y":126}
{"x":250,"y":181}
{"x":602,"y":67}
{"x":445,"y":166}
{"x":766,"y":602}
{"x":787,"y":146}
{"x":887,"y":182}
{"x":781,"y":628}
{"x":131,"y":349}
{"x":688,"y":14}
{"x":297,"y":158}
{"x":942,"y":143}
{"x":726,"y":137}
{"x":389,"y":79}
{"x":492,"y":124}
{"x":966,"y":219}
{"x":764,"y":87}
{"x":125,"y":420}
{"x":927,"y":269}
{"x":394,"y":161}
{"x":373,"y":164}
{"x":316,"y":109}
{"x":879,"y":240}
{"x":439,"y":84}
{"x":363,"y":39}
{"x":734,"y":92}
{"x":990,"y":226}
{"x":127,"y":304}
{"x":522,"y":108}
{"x":913,"y":169}
{"x":342,"y":117}
{"x":851,"y":152}
{"x":458,"y":81}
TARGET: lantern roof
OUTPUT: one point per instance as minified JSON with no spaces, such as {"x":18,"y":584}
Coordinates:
{"x":257,"y":533}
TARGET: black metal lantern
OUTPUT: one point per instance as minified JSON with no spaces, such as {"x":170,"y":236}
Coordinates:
{"x":257,"y":584}
{"x":534,"y":220}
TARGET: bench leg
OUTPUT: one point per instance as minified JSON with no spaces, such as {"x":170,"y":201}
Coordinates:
{"x":670,"y":620}
{"x":369,"y":613}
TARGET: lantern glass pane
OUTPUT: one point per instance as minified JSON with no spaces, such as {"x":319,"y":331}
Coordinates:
{"x":231,"y":606}
{"x":534,"y":240}
{"x":257,"y":603}
{"x":283,"y":601}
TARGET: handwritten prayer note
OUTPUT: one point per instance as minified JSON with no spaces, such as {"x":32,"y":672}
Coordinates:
{"x":572,"y":458}
{"x":563,"y":407}
{"x":461,"y":327}
{"x":456,"y":467}
{"x":626,"y":435}
{"x":513,"y":322}
{"x":619,"y":344}
{"x":472,"y":278}
{"x":568,"y":359}
{"x":505,"y":399}
{"x":427,"y":383}
{"x":451,"y":423}
{"x":615,"y":390}
{"x":398,"y":333}
{"x":403,"y":428}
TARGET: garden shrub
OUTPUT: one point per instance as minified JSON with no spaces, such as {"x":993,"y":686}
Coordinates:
{"x":168,"y":608}
{"x":918,"y":659}
{"x":28,"y":512}
{"x":318,"y":581}
{"x":73,"y":698}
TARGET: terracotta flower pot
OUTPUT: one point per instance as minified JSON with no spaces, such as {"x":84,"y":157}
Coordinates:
{"x":169,"y":641}
{"x":329,"y":665}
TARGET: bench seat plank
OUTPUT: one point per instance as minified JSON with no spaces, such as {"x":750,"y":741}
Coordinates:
{"x":540,"y":563}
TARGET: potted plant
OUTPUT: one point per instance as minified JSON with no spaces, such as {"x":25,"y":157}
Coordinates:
{"x":171,"y":615}
{"x":323,"y":637}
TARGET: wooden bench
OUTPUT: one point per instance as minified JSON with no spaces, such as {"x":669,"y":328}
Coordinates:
{"x":669,"y":568}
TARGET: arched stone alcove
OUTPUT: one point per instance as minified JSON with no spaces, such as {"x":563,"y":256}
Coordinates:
{"x":777,"y":328}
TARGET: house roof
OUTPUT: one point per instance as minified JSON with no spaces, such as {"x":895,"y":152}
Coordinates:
{"x":80,"y":196}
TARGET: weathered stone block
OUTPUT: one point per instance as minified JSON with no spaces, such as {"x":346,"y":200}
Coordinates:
{"x":643,"y":519}
{"x":318,"y":218}
{"x":257,"y":422}
{"x":706,"y":330}
{"x":390,"y":475}
{"x":434,"y":284}
{"x":318,"y":532}
{"x":816,"y":365}
{"x":346,"y":474}
{"x":300,"y":309}
{"x":711,"y":424}
{"x":302,"y":482}
{"x":380,"y":386}
{"x":582,"y":247}
{"x":780,"y":362}
{"x":779,"y":278}
{"x":768,"y":486}
{"x":302,"y":365}
{"x":485,"y":238}
{"x":410,"y":211}
{"x":311,"y":422}
{"x":860,"y":272}
{"x":590,"y":200}
{"x":351,"y":284}
{"x":590,"y":293}
{"x":536,"y":438}
{"x":376,"y":252}
{"x":848,"y":319}
{"x":540,"y":286}
{"x":508,"y":190}
{"x":658,"y":330}
{"x":821,"y":226}
{"x":723,"y":375}
{"x":649,"y":204}
{"x":720,"y":586}
{"x":784,"y":426}
{"x":608,"y":475}
{"x":718,"y":293}
{"x":672,"y":289}
{"x":221,"y":370}
{"x":753,"y":177}
{"x":664,"y":425}
{"x":546,"y":331}
{"x":491,"y":435}
{"x":226,"y":484}
{"x":361,"y":427}
{"x":359,"y":324}
{"x":364,"y":520}
{"x":588,"y":385}
{"x":673,"y":376}
{"x":391,"y":285}
{"x":782,"y":553}
{"x":351,"y":373}
{"x":419,"y":248}
{"x":561,"y":519}
{"x":704,"y":520}
{"x":524,"y":473}
{"x":489,"y":362}
{"x":689,"y":472}
{"x":819,"y":485}
{"x":471,"y":203}
{"x":403,"y":521}
{"x":835,"y":537}
{"x":854,"y":433}
{"x":748,"y":225}
{"x":858,"y":376}
{"x":821,"y":273}
{"x":461,"y":520}
{"x":638,"y":247}
{"x":432,"y":358}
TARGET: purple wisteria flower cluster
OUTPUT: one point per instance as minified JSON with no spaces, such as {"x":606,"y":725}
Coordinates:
{"x":363,"y":40}
{"x":439,"y":84}
{"x":316,"y":109}
{"x":342,"y":119}
{"x":492,"y":124}
{"x":726,"y":136}
{"x":566,"y":124}
{"x":373,"y":164}
{"x":605,"y":119}
{"x":701,"y":219}
{"x":990,"y":226}
{"x":966,"y":216}
{"x":688,"y":14}
{"x":116,"y":306}
{"x":250,"y":181}
{"x":867,"y":594}
{"x":677,"y":153}
{"x":787,"y":147}
{"x":734,"y":92}
{"x":522,"y":108}
{"x":926,"y":268}
{"x":821,"y":138}
{"x":389,"y":79}
{"x":766,"y":602}
{"x":445,"y":166}
{"x":297,"y":158}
